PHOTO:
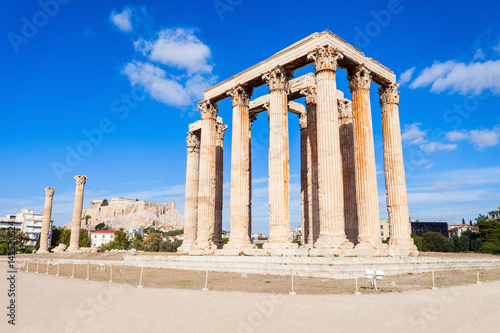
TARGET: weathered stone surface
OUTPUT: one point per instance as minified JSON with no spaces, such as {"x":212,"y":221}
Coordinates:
{"x":219,"y":182}
{"x":47,"y":213}
{"x":77,"y":213}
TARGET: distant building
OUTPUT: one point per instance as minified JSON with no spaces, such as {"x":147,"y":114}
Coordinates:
{"x":419,"y":228}
{"x":494,"y":214}
{"x":27,"y":221}
{"x":384,"y":230}
{"x":457,"y":229}
{"x":132,"y":231}
{"x":297,"y":234}
{"x":101,"y":237}
{"x":10,"y":221}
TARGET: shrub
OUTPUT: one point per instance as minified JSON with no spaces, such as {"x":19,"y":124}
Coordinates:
{"x":435,"y":242}
{"x":417,"y":240}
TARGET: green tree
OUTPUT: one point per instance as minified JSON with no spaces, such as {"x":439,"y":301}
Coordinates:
{"x":56,"y":236}
{"x":435,"y":242}
{"x":19,"y":239}
{"x":489,"y":232}
{"x":100,"y":226}
{"x":153,"y":242}
{"x":65,"y":237}
{"x":136,"y":242}
{"x":85,"y":240}
{"x":418,"y":242}
{"x":174,"y":232}
{"x":105,"y":202}
{"x":120,"y":241}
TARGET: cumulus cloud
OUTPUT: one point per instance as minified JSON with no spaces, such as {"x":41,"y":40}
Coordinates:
{"x":433,"y":146}
{"x":178,"y":48}
{"x":480,"y":138}
{"x":413,"y":135}
{"x":464,"y":78}
{"x":455,"y":136}
{"x":122,"y":20}
{"x":405,"y":77}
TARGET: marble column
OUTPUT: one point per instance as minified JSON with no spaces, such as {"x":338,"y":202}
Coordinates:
{"x":240,"y":170}
{"x":279,"y":172}
{"x":253,"y":117}
{"x":47,"y":213}
{"x":219,"y":182}
{"x":305,"y":154}
{"x":330,"y":187}
{"x":364,"y":159}
{"x":347,"y":150}
{"x":206,"y":185}
{"x":77,"y":214}
{"x":395,"y":179}
{"x":191,"y":195}
{"x":312,"y":166}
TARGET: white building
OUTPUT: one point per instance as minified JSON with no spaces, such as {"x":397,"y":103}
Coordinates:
{"x":28,"y":222}
{"x":132,"y":231}
{"x":10,"y":221}
{"x":101,"y":237}
{"x":494,"y":214}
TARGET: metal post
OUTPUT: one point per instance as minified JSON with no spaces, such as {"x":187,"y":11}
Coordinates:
{"x":478,"y":282}
{"x":37,"y":264}
{"x":140,"y":281}
{"x":111,"y":274}
{"x":27,"y":266}
{"x":73,"y":272}
{"x":88,"y":272}
{"x":433,"y":283}
{"x":357,"y":293}
{"x":47,"y":272}
{"x":57,"y":274}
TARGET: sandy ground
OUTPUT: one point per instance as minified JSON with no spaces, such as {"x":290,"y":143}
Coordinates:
{"x":46,"y":303}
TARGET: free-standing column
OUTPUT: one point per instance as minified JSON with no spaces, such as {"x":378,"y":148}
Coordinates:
{"x":347,"y":151}
{"x":240,"y":166}
{"x":191,"y":195}
{"x":312,"y":166}
{"x":395,"y":180}
{"x":77,"y":213}
{"x":206,"y":188}
{"x":47,"y":213}
{"x":252,"y":119}
{"x":331,"y":198}
{"x":219,"y":182}
{"x":364,"y":159}
{"x":279,"y":172}
{"x":304,"y":188}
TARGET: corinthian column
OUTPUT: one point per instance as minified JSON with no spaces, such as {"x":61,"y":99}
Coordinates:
{"x":305,"y":154}
{"x":395,"y":180}
{"x":279,"y":172}
{"x":47,"y":213}
{"x":330,"y":188}
{"x":191,"y":195}
{"x":206,"y":188}
{"x":252,"y":119}
{"x":77,"y":214}
{"x":219,"y":182}
{"x":364,"y":159}
{"x":347,"y":151}
{"x":240,"y":170}
{"x":312,"y":167}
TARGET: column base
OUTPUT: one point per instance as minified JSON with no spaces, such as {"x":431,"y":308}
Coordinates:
{"x":239,"y":245}
{"x":73,"y":249}
{"x":185,"y":248}
{"x":403,"y":247}
{"x":333,"y":242}
{"x":371,"y":249}
{"x":280,"y":246}
{"x":205,"y":246}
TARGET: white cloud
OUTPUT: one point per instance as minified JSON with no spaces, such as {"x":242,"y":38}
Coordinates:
{"x":178,"y":48}
{"x":457,"y":77}
{"x":405,"y":77}
{"x":169,"y":90}
{"x":413,"y":134}
{"x":455,"y":136}
{"x":479,"y":54}
{"x":481,"y":138}
{"x":433,"y":146}
{"x":122,"y":20}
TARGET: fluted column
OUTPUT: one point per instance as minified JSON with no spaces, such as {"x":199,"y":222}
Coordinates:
{"x":240,"y":170}
{"x":206,"y":187}
{"x":191,"y":195}
{"x":347,"y":150}
{"x":279,"y":172}
{"x":395,"y":179}
{"x":330,"y":188}
{"x":305,"y":154}
{"x":77,"y":214}
{"x":47,"y":213}
{"x":364,"y":159}
{"x":312,"y":166}
{"x":219,"y":182}
{"x":252,"y":119}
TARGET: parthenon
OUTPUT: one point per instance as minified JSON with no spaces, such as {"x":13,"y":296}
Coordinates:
{"x":340,"y":208}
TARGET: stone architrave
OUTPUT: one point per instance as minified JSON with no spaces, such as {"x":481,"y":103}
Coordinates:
{"x":206,"y":187}
{"x":47,"y":213}
{"x":279,"y":171}
{"x":305,"y":154}
{"x":191,"y":195}
{"x":240,"y":170}
{"x":395,"y":179}
{"x":219,"y":182}
{"x":347,"y":149}
{"x":76,"y":222}
{"x":330,"y":185}
{"x":312,"y":167}
{"x":364,"y":160}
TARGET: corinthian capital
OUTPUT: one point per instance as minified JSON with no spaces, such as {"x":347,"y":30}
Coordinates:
{"x":220,"y":131}
{"x":192,"y":140}
{"x":241,"y":95}
{"x":325,"y":58}
{"x":208,"y":110}
{"x":80,"y":180}
{"x":389,"y":94}
{"x":345,"y":108}
{"x":310,"y":94}
{"x":277,"y":79}
{"x":303,"y":120}
{"x":359,"y":78}
{"x":49,"y":191}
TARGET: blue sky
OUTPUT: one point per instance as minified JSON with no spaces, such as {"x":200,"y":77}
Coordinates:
{"x":107,"y":89}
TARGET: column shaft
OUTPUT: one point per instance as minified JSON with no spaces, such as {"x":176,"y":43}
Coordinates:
{"x":191,"y":195}
{"x":219,"y":183}
{"x":76,"y":222}
{"x":304,"y":178}
{"x":206,"y":187}
{"x":47,"y":213}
